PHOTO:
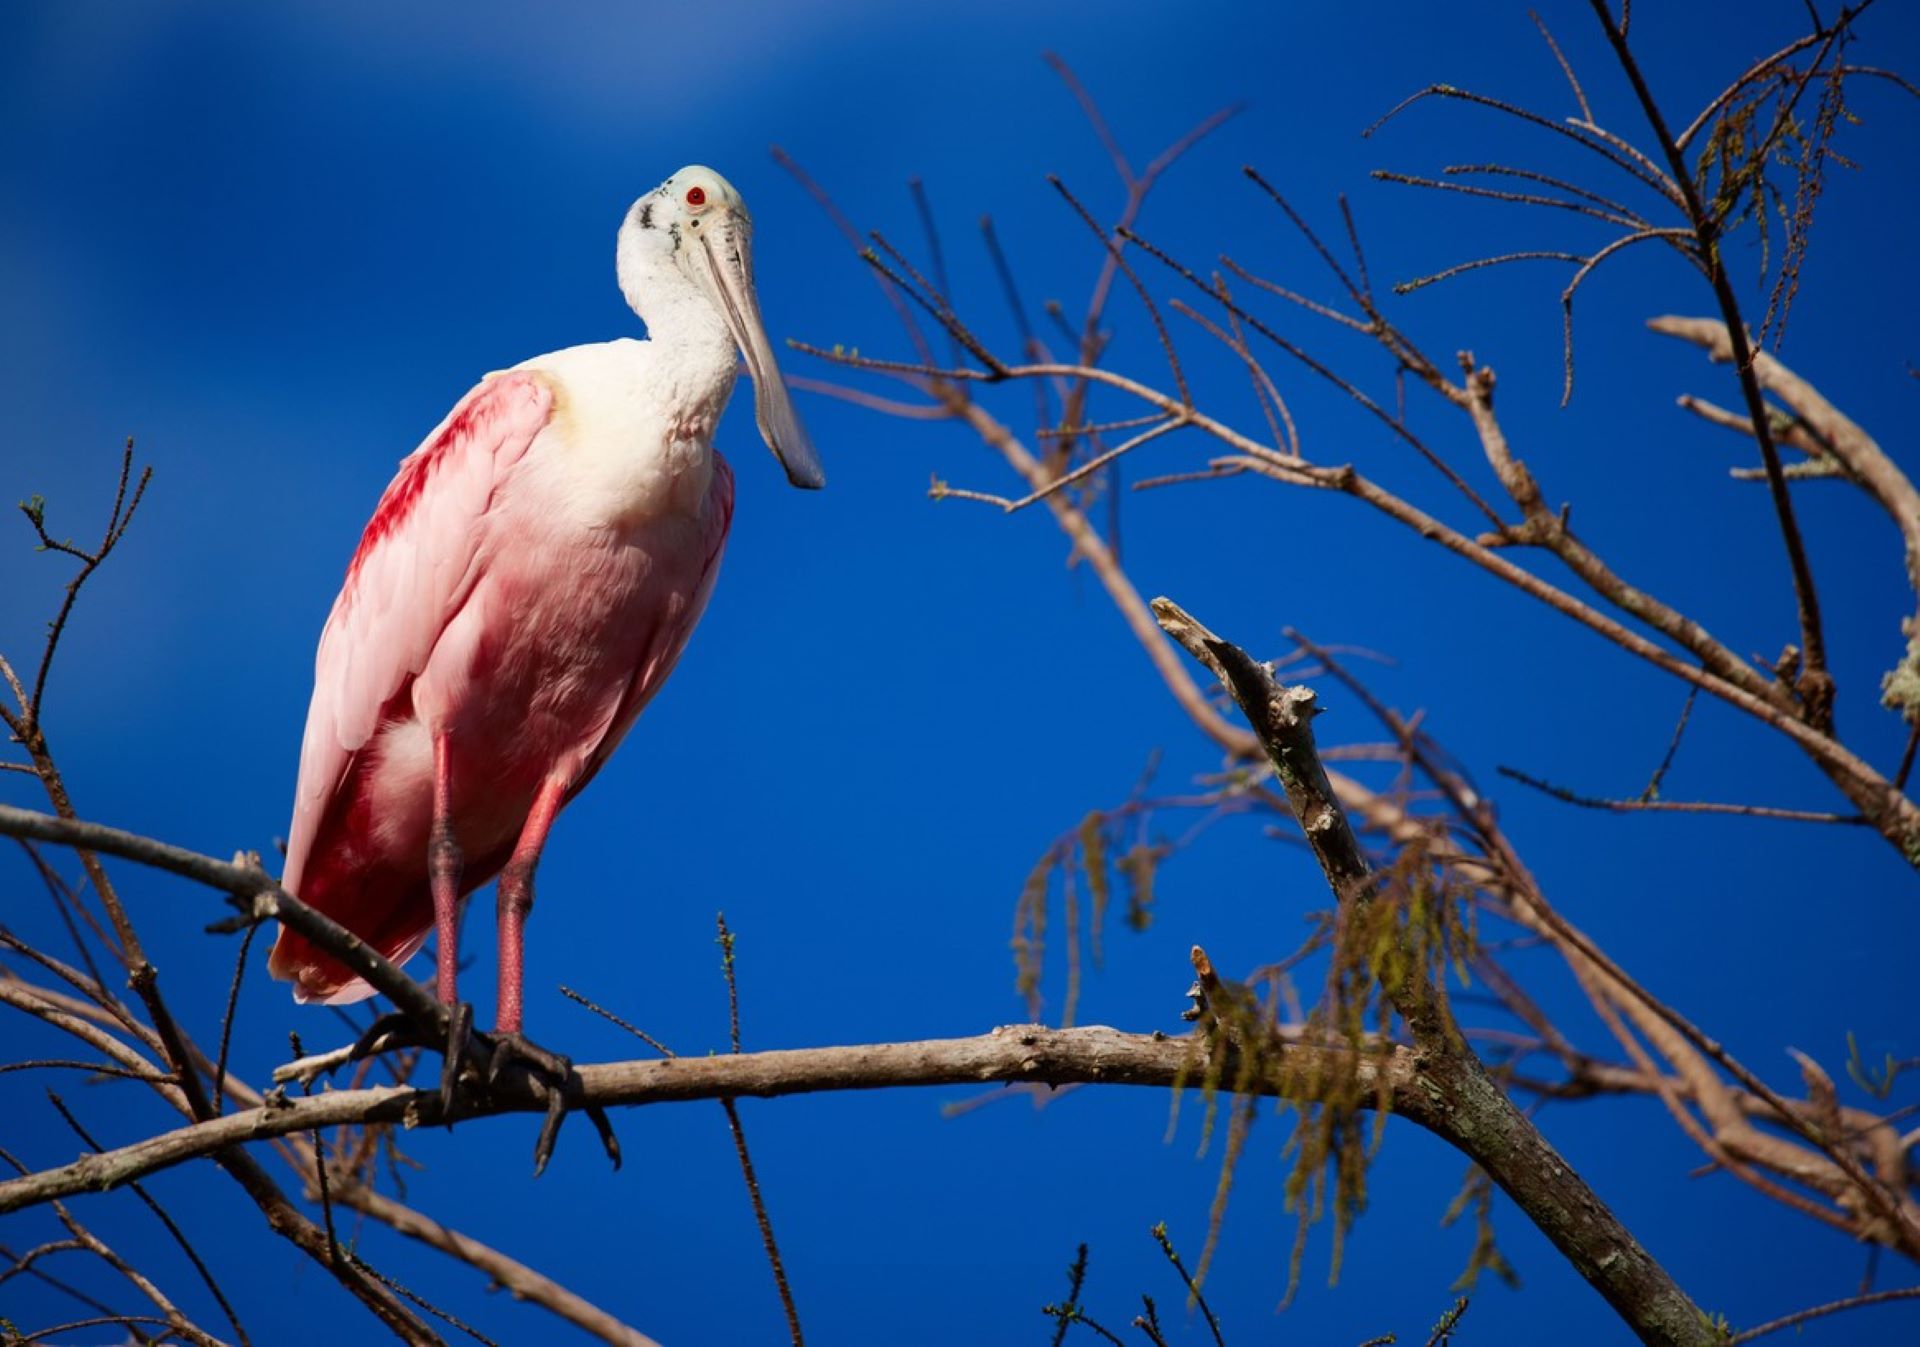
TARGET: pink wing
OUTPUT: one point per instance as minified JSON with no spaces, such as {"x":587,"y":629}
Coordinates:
{"x":679,"y":618}
{"x":413,"y":570}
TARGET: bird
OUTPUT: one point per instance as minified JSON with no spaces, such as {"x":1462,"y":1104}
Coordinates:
{"x":523,"y":589}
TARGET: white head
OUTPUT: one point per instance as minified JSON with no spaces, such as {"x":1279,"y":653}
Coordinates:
{"x":694,"y":228}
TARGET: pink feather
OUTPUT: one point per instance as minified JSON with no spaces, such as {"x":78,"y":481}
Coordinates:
{"x":472,"y":609}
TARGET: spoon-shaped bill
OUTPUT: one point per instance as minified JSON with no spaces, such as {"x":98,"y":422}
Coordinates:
{"x":727,"y":254}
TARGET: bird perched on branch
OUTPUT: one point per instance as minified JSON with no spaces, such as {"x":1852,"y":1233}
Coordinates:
{"x":524,"y":587}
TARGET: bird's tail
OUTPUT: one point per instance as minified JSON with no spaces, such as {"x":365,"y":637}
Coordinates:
{"x":391,"y":911}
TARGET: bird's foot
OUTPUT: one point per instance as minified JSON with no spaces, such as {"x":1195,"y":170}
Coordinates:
{"x":451,"y":1037}
{"x":484,"y":1062}
{"x":516,"y":1050}
{"x":549,"y":1075}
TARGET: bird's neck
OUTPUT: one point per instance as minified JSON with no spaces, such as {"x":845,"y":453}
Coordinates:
{"x":692,"y":347}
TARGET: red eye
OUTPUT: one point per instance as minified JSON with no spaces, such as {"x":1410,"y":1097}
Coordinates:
{"x":696,"y":196}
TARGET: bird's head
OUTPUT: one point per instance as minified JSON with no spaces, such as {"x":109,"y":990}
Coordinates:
{"x":695,"y":226}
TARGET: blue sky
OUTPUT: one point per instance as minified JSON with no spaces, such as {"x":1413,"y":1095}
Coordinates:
{"x":275,"y":244}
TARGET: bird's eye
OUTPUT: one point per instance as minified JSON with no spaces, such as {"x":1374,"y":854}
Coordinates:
{"x":696,"y":196}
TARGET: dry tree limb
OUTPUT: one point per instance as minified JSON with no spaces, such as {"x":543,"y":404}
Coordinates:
{"x":1732,"y":680}
{"x":1892,"y":815}
{"x":1838,"y":437}
{"x":1699,"y":238}
{"x":522,"y":1281}
{"x":1483,"y":1121}
{"x":1012,"y":1053}
{"x":1816,"y":428}
{"x":1728,"y":1106}
{"x":1815,"y":684}
{"x":1863,"y":1172}
{"x":351,"y":1191}
{"x":1728,"y":676}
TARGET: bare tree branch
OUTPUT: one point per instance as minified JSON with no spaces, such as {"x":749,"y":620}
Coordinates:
{"x":1014,"y":1053}
{"x":1502,"y":1139}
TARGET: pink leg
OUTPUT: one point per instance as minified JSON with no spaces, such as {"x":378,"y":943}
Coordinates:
{"x":443,"y":872}
{"x":516,"y":900}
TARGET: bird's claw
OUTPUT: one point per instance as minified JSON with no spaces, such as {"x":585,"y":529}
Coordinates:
{"x":453,"y":1054}
{"x":549,"y":1074}
{"x":452,"y":1038}
{"x":516,"y":1049}
{"x":391,"y":1030}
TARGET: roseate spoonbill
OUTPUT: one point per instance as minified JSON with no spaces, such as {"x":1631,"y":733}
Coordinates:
{"x":524,"y":587}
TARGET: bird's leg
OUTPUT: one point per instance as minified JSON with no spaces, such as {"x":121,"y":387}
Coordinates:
{"x":444,"y":864}
{"x":515,"y":901}
{"x":443,"y":874}
{"x":455,"y":1028}
{"x":549,"y":1071}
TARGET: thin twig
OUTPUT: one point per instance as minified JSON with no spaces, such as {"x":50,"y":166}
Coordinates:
{"x":1113,"y":246}
{"x":414,"y":1297}
{"x":1193,"y":1288}
{"x":1906,"y":759}
{"x":226,"y":1019}
{"x":612,"y":1018}
{"x":1650,"y":176}
{"x":918,"y":191}
{"x":1820,"y":1311}
{"x":1094,"y":464}
{"x":1641,"y":806}
{"x":852,"y":236}
{"x":117,"y":524}
{"x":1652,"y":792}
{"x":1448,"y":273}
{"x":747,"y":1173}
{"x":1353,"y":241}
{"x":1345,"y":386}
{"x":1494,"y":194}
{"x":1547,"y":180}
{"x":1579,"y":94}
{"x":1587,"y":267}
{"x":66,"y":902}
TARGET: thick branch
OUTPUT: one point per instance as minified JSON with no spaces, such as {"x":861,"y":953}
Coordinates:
{"x":1467,"y":1107}
{"x":1016,"y":1053}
